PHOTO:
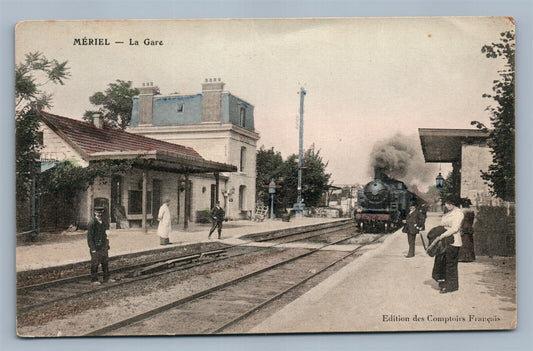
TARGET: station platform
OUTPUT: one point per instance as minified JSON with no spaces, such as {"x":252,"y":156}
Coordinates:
{"x":51,"y":250}
{"x":384,"y":291}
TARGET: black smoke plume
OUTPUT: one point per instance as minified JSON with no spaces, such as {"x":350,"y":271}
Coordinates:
{"x":401,"y":157}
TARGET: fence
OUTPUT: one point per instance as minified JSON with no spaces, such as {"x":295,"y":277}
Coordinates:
{"x":494,"y":227}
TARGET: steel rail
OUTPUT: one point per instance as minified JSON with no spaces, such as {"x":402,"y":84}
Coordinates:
{"x":163,"y":308}
{"x":291,"y":288}
{"x":96,"y":289}
{"x":121,"y":269}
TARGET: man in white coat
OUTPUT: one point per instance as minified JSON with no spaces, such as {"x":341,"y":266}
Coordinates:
{"x":165,"y":223}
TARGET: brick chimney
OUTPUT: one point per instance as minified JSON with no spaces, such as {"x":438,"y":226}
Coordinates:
{"x":146,"y":103}
{"x":212,"y":100}
{"x":98,"y":120}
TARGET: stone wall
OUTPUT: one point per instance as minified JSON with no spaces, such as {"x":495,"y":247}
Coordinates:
{"x":474,"y":159}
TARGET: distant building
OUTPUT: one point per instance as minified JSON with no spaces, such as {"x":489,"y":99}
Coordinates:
{"x":494,"y":227}
{"x":217,"y":124}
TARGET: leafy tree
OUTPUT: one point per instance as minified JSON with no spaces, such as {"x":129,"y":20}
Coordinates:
{"x":450,"y":190}
{"x":501,"y":173}
{"x":270,"y":165}
{"x":314,"y":177}
{"x":31,"y":75}
{"x":66,"y":180}
{"x":115,"y":104}
{"x":289,"y":191}
{"x":69,"y":178}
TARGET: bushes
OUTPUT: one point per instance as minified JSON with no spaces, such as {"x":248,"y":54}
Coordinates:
{"x":203,"y":216}
{"x":494,"y":231}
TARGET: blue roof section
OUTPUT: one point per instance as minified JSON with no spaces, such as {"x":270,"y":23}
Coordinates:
{"x":176,"y":110}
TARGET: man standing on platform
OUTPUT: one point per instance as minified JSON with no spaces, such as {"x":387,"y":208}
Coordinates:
{"x":413,"y":223}
{"x":217,"y":216}
{"x":99,"y":246}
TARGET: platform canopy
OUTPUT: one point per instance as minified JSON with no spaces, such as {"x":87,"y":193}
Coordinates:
{"x":444,"y":145}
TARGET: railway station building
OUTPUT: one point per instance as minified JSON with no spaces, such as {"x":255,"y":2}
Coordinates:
{"x":160,"y":170}
{"x":215,"y":123}
{"x":468,"y":152}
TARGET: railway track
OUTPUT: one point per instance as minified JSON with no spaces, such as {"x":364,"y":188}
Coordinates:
{"x":60,"y":291}
{"x":216,"y":309}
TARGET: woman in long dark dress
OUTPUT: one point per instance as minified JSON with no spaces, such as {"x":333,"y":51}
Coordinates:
{"x":466,"y":253}
{"x":445,"y":267}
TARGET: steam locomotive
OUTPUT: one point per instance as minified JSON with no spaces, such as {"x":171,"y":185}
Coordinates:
{"x":383,"y":203}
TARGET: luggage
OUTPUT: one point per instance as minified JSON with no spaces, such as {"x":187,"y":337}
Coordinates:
{"x":440,"y":247}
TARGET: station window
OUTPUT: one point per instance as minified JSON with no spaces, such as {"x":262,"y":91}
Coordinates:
{"x":243,"y":159}
{"x":242,"y":117}
{"x":135,"y":202}
{"x":242,"y":197}
{"x":213,"y":195}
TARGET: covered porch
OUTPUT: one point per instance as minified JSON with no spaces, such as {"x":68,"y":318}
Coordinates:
{"x":155,"y":176}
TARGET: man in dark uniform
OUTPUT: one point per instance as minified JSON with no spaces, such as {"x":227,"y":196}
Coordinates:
{"x":217,"y":216}
{"x":413,"y":223}
{"x":99,"y":246}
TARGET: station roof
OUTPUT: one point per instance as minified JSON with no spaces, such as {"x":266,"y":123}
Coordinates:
{"x":444,"y":145}
{"x":96,"y":144}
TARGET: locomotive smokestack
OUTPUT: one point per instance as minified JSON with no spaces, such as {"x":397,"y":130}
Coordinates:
{"x":378,"y":173}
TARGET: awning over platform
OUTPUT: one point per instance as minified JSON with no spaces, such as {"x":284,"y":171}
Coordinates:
{"x":444,"y":145}
{"x":166,"y":161}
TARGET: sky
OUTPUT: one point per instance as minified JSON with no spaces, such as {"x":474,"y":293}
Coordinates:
{"x":368,"y":81}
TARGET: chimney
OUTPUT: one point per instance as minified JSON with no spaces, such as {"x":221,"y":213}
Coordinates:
{"x":212,"y":100}
{"x":146,"y":103}
{"x":378,"y":173}
{"x":98,"y":120}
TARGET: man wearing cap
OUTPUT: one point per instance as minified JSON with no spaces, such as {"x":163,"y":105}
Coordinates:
{"x":98,"y":245}
{"x":217,"y":216}
{"x":413,"y":224}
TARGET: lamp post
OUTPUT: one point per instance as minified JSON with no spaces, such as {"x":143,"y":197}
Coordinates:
{"x":272,"y":192}
{"x":299,"y":203}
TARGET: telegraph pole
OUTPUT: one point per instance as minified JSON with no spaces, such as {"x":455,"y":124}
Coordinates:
{"x":299,"y":203}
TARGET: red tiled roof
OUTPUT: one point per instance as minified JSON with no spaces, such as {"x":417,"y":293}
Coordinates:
{"x":91,"y":139}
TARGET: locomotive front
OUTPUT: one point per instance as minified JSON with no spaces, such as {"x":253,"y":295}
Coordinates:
{"x":373,"y":211}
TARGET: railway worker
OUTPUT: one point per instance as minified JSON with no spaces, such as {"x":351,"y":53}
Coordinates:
{"x":165,"y":224}
{"x":217,"y":216}
{"x":445,"y":266}
{"x":413,"y":225}
{"x":98,"y":246}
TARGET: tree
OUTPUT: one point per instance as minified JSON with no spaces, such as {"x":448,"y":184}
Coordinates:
{"x":314,"y":177}
{"x":270,"y":165}
{"x":501,"y":140}
{"x":115,"y":104}
{"x":31,"y":75}
{"x":450,"y":190}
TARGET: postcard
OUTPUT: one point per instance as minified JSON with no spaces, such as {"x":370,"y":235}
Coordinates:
{"x":265,"y":176}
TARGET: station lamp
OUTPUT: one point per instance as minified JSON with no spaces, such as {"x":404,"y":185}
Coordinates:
{"x":440,"y":181}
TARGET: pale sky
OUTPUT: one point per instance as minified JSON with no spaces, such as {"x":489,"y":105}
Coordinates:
{"x":366,"y":79}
